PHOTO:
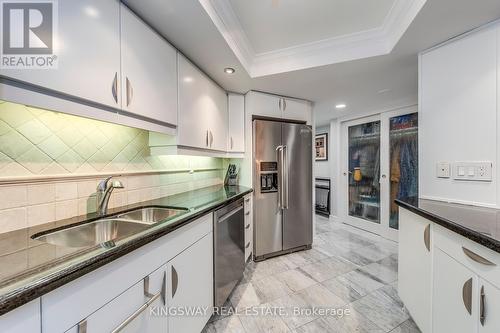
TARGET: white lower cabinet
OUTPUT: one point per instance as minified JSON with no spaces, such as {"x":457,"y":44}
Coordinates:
{"x":248,"y":226}
{"x":489,"y":308}
{"x":447,"y":282}
{"x":190,"y":292}
{"x":454,"y":296}
{"x":25,"y":319}
{"x":415,"y":263}
{"x":132,"y":292}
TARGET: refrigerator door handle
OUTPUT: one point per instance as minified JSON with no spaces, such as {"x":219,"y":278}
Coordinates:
{"x":279,"y":158}
{"x":284,"y":163}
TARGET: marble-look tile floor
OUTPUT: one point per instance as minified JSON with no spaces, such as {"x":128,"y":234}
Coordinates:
{"x":347,"y":269}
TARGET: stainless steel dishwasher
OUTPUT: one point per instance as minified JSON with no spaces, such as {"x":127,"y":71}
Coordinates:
{"x":229,"y":249}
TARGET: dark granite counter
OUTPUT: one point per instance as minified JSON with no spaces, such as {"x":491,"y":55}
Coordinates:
{"x":480,"y":224}
{"x":30,"y":268}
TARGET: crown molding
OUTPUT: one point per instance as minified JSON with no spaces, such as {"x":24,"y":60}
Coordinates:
{"x":363,"y":44}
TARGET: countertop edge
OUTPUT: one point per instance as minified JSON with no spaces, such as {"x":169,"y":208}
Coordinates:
{"x":22,"y":296}
{"x":475,"y":236}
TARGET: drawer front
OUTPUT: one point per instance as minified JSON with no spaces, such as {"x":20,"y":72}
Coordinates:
{"x":248,"y":234}
{"x":248,"y":203}
{"x":481,"y":260}
{"x":99,"y":287}
{"x":120,"y":309}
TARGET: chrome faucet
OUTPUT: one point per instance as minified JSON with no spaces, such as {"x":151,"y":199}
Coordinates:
{"x":104,"y":190}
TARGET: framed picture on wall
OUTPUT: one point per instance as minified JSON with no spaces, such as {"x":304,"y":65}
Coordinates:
{"x":322,"y":147}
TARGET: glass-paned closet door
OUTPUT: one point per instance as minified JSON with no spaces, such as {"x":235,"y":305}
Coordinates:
{"x":403,"y":142}
{"x":364,"y":171}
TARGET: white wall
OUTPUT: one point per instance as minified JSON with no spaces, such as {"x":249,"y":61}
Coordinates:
{"x":322,"y":168}
{"x":458,"y":119}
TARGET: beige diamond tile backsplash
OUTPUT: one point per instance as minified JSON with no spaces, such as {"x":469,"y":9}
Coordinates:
{"x":36,"y":142}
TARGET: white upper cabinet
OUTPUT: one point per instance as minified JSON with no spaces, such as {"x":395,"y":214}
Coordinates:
{"x":295,"y":109}
{"x":261,"y":104}
{"x":236,"y":129}
{"x":87,"y":45}
{"x":202,"y":110}
{"x":267,"y":105}
{"x":149,"y":71}
{"x":219,"y":116}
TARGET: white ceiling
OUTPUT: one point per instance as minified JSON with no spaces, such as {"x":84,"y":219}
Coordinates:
{"x":271,"y":37}
{"x":274,"y":24}
{"x":186,"y":24}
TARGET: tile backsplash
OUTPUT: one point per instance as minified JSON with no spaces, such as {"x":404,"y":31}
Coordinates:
{"x":76,"y":153}
{"x":41,"y":142}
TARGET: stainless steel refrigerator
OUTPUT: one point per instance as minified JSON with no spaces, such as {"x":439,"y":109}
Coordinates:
{"x":282,"y":187}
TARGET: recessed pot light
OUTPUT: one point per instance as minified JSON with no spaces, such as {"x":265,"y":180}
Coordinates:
{"x":340,"y":106}
{"x":229,"y":70}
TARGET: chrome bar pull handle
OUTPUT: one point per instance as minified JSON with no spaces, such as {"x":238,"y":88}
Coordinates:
{"x":206,"y":139}
{"x":136,"y":314}
{"x":114,"y":88}
{"x":285,"y":176}
{"x":82,"y":326}
{"x":211,"y":138}
{"x":130,"y":91}
{"x":279,"y":150}
{"x":175,"y":281}
{"x":467,"y":295}
{"x":279,"y":104}
{"x":476,"y":257}
{"x":146,"y":288}
{"x":427,"y":237}
{"x":482,"y":308}
{"x":284,"y":104}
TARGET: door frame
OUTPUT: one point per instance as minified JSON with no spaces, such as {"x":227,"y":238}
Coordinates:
{"x":382,"y":228}
{"x":344,"y":184}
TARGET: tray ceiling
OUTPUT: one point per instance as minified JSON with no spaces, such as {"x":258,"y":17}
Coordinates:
{"x":276,"y":36}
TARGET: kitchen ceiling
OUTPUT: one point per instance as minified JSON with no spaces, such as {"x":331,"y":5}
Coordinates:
{"x":367,"y":84}
{"x":271,"y":37}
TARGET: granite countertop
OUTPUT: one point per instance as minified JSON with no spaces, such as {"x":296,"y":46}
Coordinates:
{"x":31,"y":268}
{"x":479,"y":224}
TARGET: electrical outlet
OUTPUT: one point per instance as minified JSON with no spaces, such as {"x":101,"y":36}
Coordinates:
{"x":473,"y":171}
{"x":443,"y":170}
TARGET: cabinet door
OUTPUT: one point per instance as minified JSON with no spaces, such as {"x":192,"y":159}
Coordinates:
{"x":489,"y":308}
{"x":248,"y":226}
{"x":263,"y":104}
{"x":87,"y":46}
{"x":454,"y":306}
{"x":294,"y":109}
{"x":149,"y":71}
{"x":236,"y":134}
{"x":414,"y":271}
{"x":194,"y":103}
{"x":23,"y":319}
{"x":219,"y":116}
{"x":191,"y":286}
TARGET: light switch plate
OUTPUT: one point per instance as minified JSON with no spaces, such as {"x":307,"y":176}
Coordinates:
{"x":443,"y":170}
{"x":474,"y":171}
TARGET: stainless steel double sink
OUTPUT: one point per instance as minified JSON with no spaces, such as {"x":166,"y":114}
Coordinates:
{"x":105,"y":231}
